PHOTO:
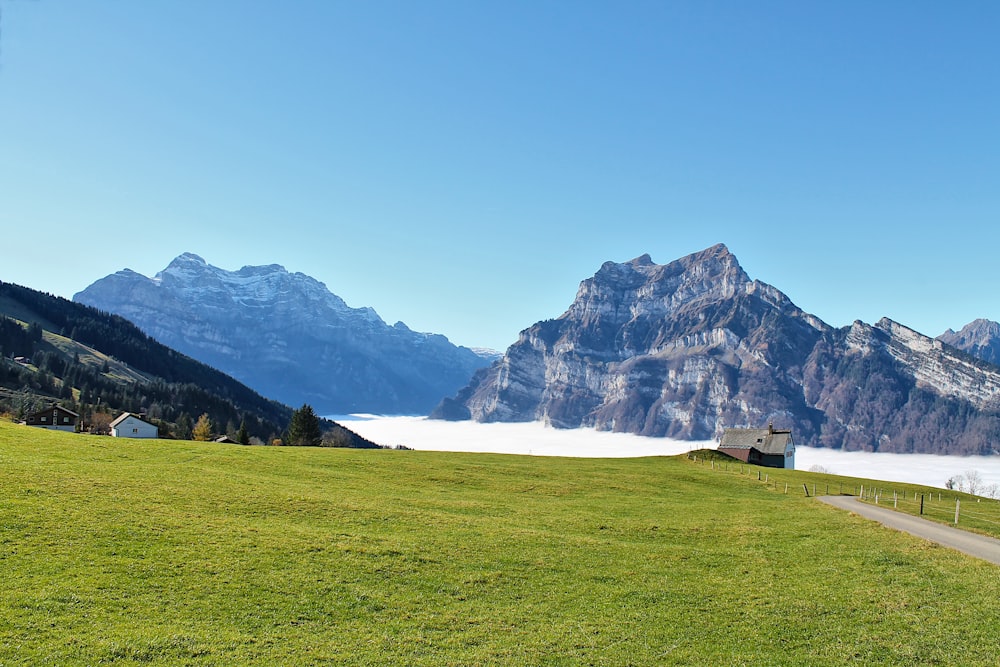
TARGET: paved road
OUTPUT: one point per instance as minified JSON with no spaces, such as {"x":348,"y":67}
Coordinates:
{"x":972,"y":544}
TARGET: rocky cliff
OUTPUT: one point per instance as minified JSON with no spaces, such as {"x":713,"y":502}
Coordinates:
{"x":688,"y":348}
{"x":980,"y":338}
{"x":287,"y":336}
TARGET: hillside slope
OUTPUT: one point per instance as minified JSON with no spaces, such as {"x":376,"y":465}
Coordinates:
{"x":91,"y":361}
{"x":196,"y":553}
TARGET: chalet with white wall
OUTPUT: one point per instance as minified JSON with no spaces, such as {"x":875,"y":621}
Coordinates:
{"x":127,"y":425}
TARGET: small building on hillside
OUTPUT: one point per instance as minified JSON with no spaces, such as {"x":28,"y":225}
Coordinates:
{"x":128,"y":425}
{"x":55,"y":418}
{"x":769,"y":446}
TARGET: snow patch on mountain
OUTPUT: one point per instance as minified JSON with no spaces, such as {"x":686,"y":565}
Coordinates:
{"x":287,"y":336}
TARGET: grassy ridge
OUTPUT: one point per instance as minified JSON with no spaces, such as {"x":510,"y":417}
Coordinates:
{"x":139,"y":552}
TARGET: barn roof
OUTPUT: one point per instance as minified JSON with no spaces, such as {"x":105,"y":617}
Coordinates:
{"x":764,"y":440}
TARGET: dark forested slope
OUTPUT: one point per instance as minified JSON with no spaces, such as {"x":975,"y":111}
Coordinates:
{"x":96,"y":363}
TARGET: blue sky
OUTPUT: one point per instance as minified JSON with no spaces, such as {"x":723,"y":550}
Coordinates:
{"x":462,"y":166}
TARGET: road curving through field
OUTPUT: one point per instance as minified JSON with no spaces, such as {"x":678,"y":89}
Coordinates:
{"x":979,"y":546}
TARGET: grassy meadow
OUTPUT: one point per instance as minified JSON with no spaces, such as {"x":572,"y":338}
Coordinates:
{"x":161,"y":553}
{"x":977,"y":514}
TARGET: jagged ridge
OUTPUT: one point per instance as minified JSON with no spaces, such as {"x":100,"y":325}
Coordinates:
{"x":287,"y":336}
{"x":687,"y":348}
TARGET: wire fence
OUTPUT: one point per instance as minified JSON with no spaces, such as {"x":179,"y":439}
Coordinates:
{"x":975,"y":513}
{"x":943,"y":506}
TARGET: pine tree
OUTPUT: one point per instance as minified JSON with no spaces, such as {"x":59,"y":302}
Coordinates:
{"x":184,"y":426}
{"x":304,"y":428}
{"x":242,"y":436}
{"x":203,"y":429}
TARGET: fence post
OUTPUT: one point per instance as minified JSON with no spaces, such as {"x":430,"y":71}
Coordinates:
{"x":806,"y":488}
{"x":957,"y":503}
{"x":786,"y":487}
{"x":921,"y":503}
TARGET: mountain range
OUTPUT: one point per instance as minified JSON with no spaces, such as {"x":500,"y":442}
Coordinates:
{"x":688,"y":348}
{"x":55,"y":351}
{"x":287,"y":336}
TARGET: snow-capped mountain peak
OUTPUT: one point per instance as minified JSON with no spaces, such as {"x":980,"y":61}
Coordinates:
{"x":288,"y":336}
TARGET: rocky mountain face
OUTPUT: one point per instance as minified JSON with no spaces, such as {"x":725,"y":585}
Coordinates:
{"x":287,"y":336}
{"x":980,"y":338}
{"x":688,"y":348}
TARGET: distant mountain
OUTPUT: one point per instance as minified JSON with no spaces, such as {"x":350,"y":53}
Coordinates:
{"x":688,"y":348}
{"x":980,"y":338}
{"x":287,"y":336}
{"x":56,"y":351}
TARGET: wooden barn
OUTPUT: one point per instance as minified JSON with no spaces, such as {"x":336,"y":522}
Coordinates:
{"x":769,"y":446}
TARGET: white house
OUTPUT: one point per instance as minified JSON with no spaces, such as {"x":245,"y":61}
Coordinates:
{"x":127,"y":425}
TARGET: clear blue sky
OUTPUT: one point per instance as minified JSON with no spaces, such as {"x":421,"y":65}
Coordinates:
{"x":461,"y":166}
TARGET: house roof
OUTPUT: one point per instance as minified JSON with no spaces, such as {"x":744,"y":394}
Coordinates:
{"x":125,"y":415}
{"x":764,"y":440}
{"x":55,"y":407}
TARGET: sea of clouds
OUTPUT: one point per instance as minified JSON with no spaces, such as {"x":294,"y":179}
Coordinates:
{"x":536,"y":439}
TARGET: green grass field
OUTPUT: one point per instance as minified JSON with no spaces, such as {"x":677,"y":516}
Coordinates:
{"x":976,"y":514}
{"x":157,"y":552}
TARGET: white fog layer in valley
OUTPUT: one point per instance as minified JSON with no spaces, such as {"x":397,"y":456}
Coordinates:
{"x":536,"y":439}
